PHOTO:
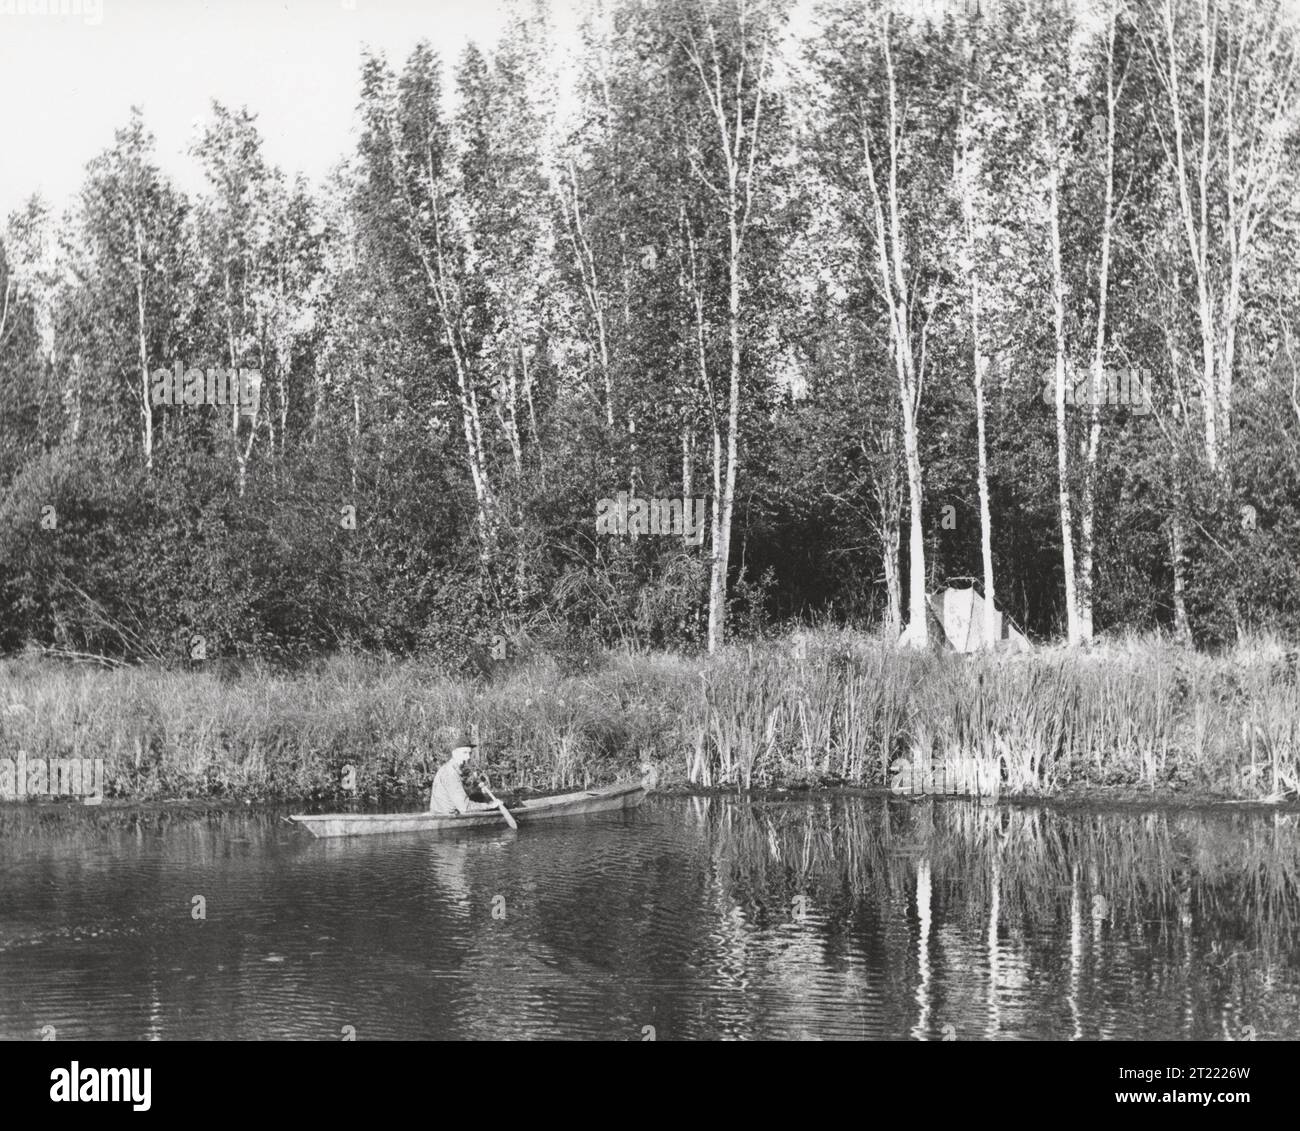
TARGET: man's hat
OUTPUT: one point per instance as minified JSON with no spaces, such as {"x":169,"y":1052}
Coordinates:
{"x":461,"y":738}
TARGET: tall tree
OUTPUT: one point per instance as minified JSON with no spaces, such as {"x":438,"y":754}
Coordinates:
{"x":243,"y":236}
{"x":975,"y":223}
{"x":887,"y":124}
{"x":416,"y":226}
{"x":1104,"y":144}
{"x":730,"y":46}
{"x":128,"y":263}
{"x":1230,"y":72}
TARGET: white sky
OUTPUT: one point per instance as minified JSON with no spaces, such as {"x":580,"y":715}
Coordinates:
{"x":66,"y":82}
{"x":69,"y":78}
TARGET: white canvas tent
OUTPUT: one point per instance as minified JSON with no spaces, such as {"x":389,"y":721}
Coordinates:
{"x":955,"y":619}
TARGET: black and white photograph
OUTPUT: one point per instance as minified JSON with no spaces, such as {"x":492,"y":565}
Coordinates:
{"x":651,"y":521}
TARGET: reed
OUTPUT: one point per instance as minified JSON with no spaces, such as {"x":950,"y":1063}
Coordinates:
{"x":828,"y":707}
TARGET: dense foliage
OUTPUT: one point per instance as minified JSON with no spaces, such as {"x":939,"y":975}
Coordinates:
{"x":665,"y":267}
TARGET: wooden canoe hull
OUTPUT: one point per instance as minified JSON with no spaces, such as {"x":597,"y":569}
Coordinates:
{"x":614,"y":797}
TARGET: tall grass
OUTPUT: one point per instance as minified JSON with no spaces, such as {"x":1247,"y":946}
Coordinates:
{"x":831,"y":706}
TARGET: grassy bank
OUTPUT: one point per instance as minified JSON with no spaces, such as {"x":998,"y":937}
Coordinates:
{"x":822,"y":708}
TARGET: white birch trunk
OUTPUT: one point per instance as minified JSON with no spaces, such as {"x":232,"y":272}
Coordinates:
{"x":968,"y":183}
{"x":889,"y":500}
{"x":146,"y":393}
{"x":738,"y":140}
{"x":1088,"y":502}
{"x":1072,"y":632}
{"x":892,"y":269}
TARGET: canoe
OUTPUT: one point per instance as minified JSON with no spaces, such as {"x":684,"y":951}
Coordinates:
{"x":613,"y":797}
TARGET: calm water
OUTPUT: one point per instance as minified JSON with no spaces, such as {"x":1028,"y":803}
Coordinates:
{"x":702,"y":918}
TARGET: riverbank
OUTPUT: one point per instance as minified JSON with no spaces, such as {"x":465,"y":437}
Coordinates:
{"x":832,"y":708}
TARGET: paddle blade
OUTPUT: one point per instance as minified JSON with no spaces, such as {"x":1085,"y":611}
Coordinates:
{"x":504,"y":811}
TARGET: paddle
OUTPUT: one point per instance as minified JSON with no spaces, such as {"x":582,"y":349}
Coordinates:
{"x":504,"y":811}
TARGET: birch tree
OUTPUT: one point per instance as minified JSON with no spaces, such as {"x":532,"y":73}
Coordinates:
{"x":1105,"y":137}
{"x":509,"y":241}
{"x":238,"y":234}
{"x":411,"y":187}
{"x":887,"y":133}
{"x":1229,"y":71}
{"x":590,"y":181}
{"x":1053,"y":137}
{"x":1230,"y":75}
{"x":729,"y":46}
{"x":129,"y":267}
{"x":974,"y":207}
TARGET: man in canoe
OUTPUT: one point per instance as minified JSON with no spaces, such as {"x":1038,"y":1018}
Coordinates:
{"x":448,"y":796}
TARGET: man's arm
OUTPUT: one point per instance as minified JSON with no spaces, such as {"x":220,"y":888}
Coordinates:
{"x":453,"y":793}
